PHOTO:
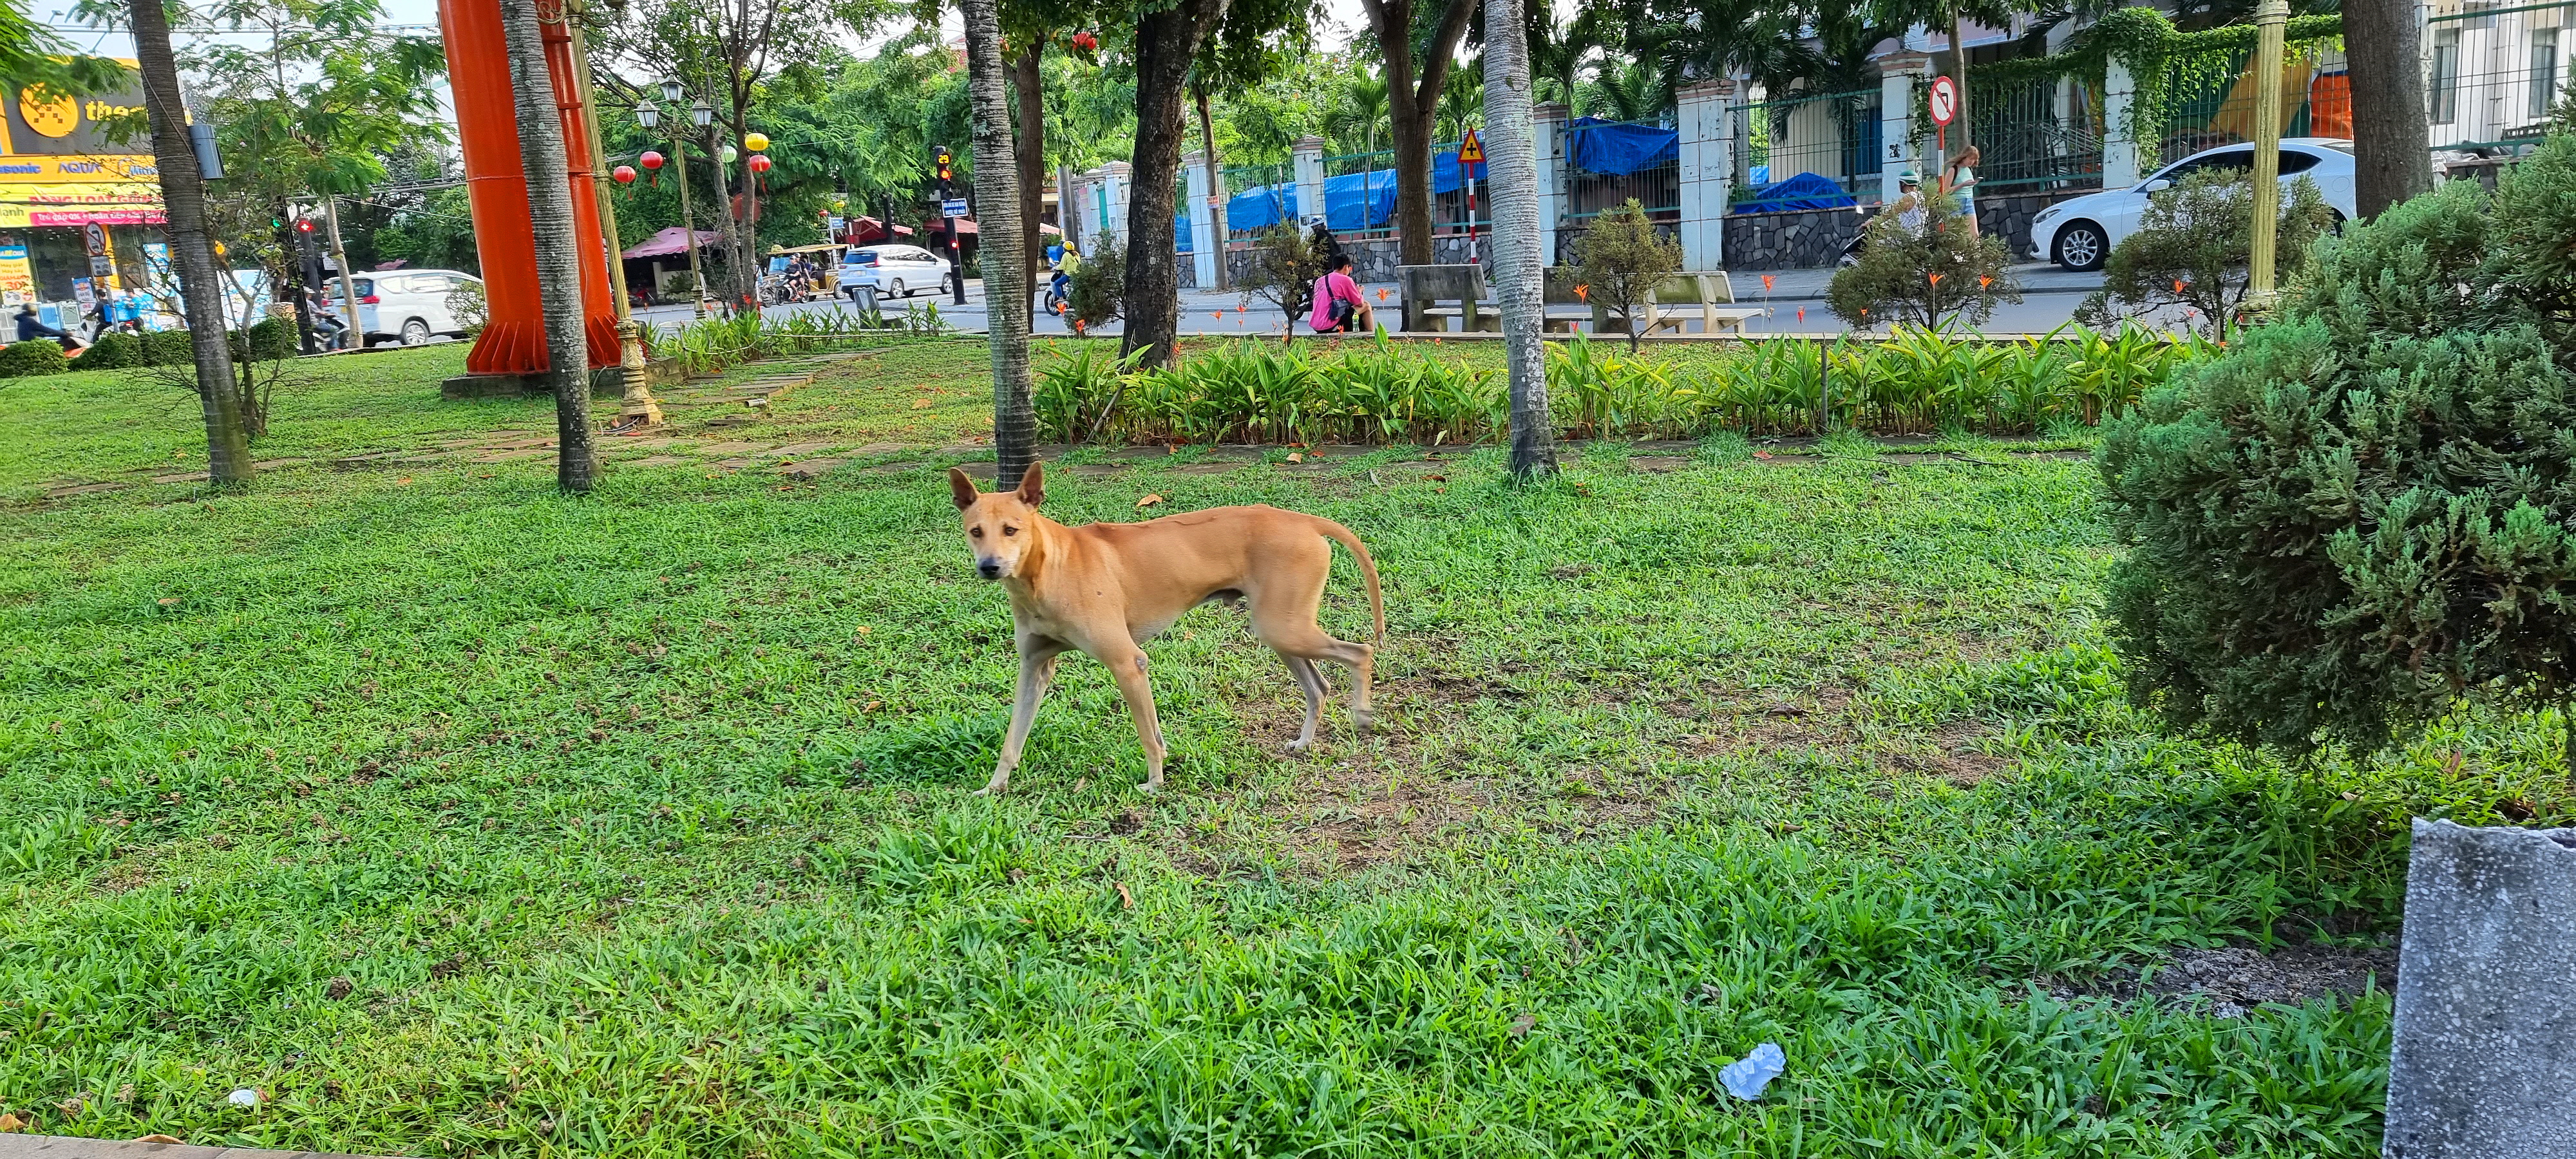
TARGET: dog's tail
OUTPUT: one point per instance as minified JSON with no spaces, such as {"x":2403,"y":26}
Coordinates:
{"x":1368,"y":568}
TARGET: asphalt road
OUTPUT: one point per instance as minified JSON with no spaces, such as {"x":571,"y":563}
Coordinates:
{"x":1795,"y":299}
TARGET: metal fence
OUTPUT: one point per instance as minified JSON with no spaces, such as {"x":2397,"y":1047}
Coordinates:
{"x":1371,"y":165}
{"x":2491,"y":75}
{"x":2214,"y":107}
{"x":2036,"y":136}
{"x":1281,"y":178}
{"x":1588,"y":195}
{"x":1836,"y":136}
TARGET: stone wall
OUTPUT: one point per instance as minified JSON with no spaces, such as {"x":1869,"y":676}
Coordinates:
{"x":1808,"y":239}
{"x":1801,"y":239}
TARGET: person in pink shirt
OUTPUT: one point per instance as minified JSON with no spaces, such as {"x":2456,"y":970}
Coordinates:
{"x":1338,"y":305}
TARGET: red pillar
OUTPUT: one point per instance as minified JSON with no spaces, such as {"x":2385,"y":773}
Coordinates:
{"x":496,"y":185}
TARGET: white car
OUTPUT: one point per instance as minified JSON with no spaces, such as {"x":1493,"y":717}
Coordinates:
{"x":896,"y":270}
{"x":409,"y":306}
{"x":2079,"y":232}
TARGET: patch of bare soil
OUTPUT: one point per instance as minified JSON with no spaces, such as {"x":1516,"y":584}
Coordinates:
{"x":1806,"y":721}
{"x":2235,"y":979}
{"x":1954,"y":756}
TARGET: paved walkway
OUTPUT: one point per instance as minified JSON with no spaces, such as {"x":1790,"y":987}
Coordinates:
{"x":1796,"y":299}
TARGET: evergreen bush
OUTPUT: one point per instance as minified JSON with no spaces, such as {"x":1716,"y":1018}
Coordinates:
{"x":1098,"y":292}
{"x":2192,"y":246}
{"x":1282,"y":271}
{"x":32,"y":357}
{"x":167,"y":348}
{"x":1920,"y":265}
{"x":1620,"y":258}
{"x":2364,"y":514}
{"x":114,"y":350}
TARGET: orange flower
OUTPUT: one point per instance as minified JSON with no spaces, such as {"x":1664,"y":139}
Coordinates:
{"x":1583,"y":293}
{"x":1766,"y":283}
{"x":1936,"y":279}
{"x":1077,"y":327}
{"x":1802,"y":315}
{"x":1985,"y":280}
{"x":2178,"y":284}
{"x":1219,"y":315}
{"x":1382,"y":294}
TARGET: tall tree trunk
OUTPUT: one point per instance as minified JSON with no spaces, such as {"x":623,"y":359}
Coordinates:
{"x":1165,"y":43}
{"x":1519,"y":269}
{"x":1006,"y":282}
{"x":559,"y":257}
{"x":1412,"y":101}
{"x":1027,"y":82}
{"x":192,"y":252}
{"x":728,"y":231}
{"x":2392,"y":157}
{"x":1215,"y":182}
{"x":1960,"y":134}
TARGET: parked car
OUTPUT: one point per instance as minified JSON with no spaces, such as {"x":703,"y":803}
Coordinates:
{"x":897,"y":271}
{"x":409,"y":306}
{"x":2080,"y":232}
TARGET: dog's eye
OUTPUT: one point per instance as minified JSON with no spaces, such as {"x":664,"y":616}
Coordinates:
{"x":977,"y":532}
{"x":1010,"y":531}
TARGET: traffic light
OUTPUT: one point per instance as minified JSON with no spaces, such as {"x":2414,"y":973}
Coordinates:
{"x":304,"y":225}
{"x":944,"y":163}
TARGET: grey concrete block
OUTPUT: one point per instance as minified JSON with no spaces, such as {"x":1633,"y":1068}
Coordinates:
{"x":2484,"y":1065}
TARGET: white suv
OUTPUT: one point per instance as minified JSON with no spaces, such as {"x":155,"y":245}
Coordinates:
{"x":2079,"y":232}
{"x":897,"y":271}
{"x":405,"y":305}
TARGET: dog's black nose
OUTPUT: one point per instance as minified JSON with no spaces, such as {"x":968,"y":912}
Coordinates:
{"x":989,"y":569}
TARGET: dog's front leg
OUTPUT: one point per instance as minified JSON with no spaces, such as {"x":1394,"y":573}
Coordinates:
{"x":1129,"y":671}
{"x":1037,"y":670}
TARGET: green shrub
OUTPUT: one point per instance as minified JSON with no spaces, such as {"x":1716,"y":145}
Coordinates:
{"x":269,"y":339}
{"x":1923,"y":266}
{"x":167,"y":348}
{"x":32,"y":357}
{"x":2365,"y":513}
{"x":471,"y":309}
{"x":1620,"y":258}
{"x":2192,"y":246}
{"x":114,"y":350}
{"x":1282,"y":271}
{"x":1098,"y":292}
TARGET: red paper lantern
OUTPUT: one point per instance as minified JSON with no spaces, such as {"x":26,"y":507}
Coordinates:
{"x":759,"y":162}
{"x":624,"y":174}
{"x":651,"y":159}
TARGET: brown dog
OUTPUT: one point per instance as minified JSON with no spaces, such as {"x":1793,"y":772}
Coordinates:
{"x":1106,"y":588}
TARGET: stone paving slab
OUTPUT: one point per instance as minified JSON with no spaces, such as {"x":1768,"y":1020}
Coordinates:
{"x":658,"y":461}
{"x":1093,"y":469}
{"x":183,"y":477}
{"x":979,"y":470}
{"x":60,"y":1147}
{"x":511,"y":456}
{"x":800,"y":450}
{"x":881,"y":449}
{"x":809,"y":468}
{"x":1657,"y":464}
{"x":734,"y":449}
{"x":1215,"y":468}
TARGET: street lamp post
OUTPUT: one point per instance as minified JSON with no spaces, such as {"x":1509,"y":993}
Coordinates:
{"x":649,"y":115}
{"x":2271,"y":22}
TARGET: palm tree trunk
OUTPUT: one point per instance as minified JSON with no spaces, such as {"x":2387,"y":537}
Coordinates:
{"x":1166,"y":42}
{"x":1215,"y":183}
{"x":1028,"y":84}
{"x":1519,"y":269}
{"x":1006,"y":282}
{"x":559,"y":257}
{"x":192,"y":252}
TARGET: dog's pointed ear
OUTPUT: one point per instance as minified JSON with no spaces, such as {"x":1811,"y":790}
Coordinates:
{"x":961,"y":488}
{"x":1033,"y":485}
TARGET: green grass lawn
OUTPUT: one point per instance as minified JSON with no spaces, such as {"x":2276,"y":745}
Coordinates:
{"x":461,"y":817}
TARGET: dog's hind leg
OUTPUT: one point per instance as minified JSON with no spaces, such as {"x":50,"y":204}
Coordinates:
{"x":1037,"y":670}
{"x":1129,"y":671}
{"x":1313,"y":684}
{"x":1309,"y":643}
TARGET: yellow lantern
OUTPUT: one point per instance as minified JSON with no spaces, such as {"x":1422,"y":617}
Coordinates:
{"x":755,"y":142}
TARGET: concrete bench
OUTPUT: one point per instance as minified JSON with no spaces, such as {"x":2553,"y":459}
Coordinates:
{"x":1682,"y":297}
{"x":1432,"y":295}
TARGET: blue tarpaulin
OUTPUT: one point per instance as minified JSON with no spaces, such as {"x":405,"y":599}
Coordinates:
{"x":1616,"y":147}
{"x":1804,"y":191}
{"x":1269,"y":205}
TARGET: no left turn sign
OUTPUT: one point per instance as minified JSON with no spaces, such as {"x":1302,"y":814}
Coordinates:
{"x":1945,"y":100}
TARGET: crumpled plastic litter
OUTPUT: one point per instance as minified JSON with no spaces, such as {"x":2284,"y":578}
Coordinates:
{"x":1745,"y":1077}
{"x":244,"y":1097}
